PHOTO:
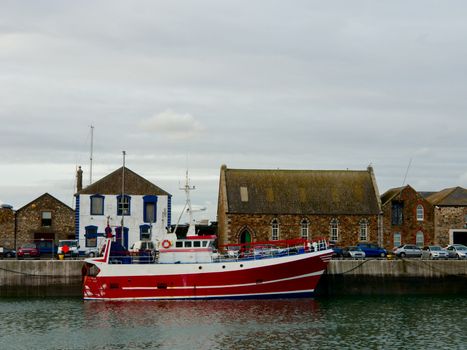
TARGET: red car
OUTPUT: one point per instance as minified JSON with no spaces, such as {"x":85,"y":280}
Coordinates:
{"x":28,"y":249}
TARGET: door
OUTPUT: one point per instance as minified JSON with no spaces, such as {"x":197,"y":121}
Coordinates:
{"x":245,"y":237}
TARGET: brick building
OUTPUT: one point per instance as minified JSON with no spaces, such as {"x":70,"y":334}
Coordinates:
{"x":45,"y":218}
{"x":7,"y":226}
{"x":341,"y":205}
{"x":450,"y":215}
{"x":407,"y":218}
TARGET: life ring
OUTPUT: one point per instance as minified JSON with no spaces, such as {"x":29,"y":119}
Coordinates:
{"x":166,"y":244}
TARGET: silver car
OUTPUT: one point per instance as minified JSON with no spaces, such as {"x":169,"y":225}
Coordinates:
{"x":434,"y":252}
{"x":354,"y":253}
{"x":408,"y":250}
{"x":457,"y":251}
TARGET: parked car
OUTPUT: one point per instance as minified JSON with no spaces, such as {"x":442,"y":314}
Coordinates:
{"x":354,"y":253}
{"x":457,"y":251}
{"x":46,"y":246}
{"x":434,"y":252}
{"x":73,"y":247}
{"x":7,"y":253}
{"x":372,"y":250}
{"x":337,"y":252}
{"x":408,"y":250}
{"x":28,"y":250}
{"x":89,"y":252}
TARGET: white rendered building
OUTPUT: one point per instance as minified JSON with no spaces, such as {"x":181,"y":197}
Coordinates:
{"x":144,"y":209}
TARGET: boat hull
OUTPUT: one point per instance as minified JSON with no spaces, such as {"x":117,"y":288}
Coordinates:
{"x":288,"y":276}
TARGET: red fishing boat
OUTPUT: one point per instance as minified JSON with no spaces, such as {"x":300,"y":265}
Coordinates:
{"x":192,"y":268}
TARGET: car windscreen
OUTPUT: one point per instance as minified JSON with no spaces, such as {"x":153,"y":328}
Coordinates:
{"x":435,"y":248}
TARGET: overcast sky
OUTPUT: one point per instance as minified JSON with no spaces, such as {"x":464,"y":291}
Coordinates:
{"x":250,"y":84}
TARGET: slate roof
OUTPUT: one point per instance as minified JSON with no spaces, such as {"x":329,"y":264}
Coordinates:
{"x":390,"y":194}
{"x":455,"y":196}
{"x":303,"y":192}
{"x":134,"y":185}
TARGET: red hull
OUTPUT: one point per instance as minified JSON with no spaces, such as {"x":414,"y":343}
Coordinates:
{"x":284,"y":276}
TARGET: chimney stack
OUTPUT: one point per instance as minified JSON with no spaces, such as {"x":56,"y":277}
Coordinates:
{"x":79,"y":179}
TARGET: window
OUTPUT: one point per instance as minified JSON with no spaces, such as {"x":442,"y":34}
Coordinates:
{"x":244,"y":193}
{"x":196,"y":244}
{"x":187,"y":244}
{"x":420,"y":212}
{"x":420,"y":240}
{"x":364,"y":230}
{"x":150,"y":209}
{"x":397,"y":239}
{"x":97,"y":205}
{"x":178,"y":244}
{"x":274,"y":230}
{"x":397,"y":213}
{"x":123,"y":205}
{"x":334,"y":230}
{"x":46,"y":218}
{"x":304,"y":229}
{"x":91,"y":236}
{"x":144,"y":232}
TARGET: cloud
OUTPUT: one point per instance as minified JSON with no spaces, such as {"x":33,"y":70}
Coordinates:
{"x":174,"y":126}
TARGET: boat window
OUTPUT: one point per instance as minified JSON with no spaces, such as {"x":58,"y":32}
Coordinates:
{"x":188,"y":244}
{"x":196,"y":244}
{"x":205,"y":243}
{"x":178,"y":244}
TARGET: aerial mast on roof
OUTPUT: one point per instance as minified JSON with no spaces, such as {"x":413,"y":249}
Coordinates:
{"x":90,"y":157}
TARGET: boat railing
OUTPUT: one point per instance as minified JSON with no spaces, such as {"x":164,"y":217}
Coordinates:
{"x":268,"y":249}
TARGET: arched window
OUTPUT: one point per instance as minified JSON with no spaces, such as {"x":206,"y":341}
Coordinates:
{"x":363,"y":230}
{"x":304,"y":228}
{"x":334,"y":230}
{"x":420,"y":239}
{"x":420,"y":212}
{"x":274,"y":230}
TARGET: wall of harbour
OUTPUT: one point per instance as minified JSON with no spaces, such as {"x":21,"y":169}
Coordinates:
{"x":36,"y":278}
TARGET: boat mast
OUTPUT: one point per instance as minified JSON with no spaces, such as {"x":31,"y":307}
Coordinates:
{"x":187,"y":188}
{"x":122,"y":201}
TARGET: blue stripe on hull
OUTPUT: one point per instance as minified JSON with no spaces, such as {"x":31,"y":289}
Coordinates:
{"x":292,"y":295}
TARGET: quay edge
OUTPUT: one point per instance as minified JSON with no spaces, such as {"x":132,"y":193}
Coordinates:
{"x":54,"y":278}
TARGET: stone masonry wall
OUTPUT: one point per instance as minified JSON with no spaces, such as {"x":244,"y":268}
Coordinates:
{"x":319,"y":226}
{"x":29,"y":220}
{"x":410,"y":225}
{"x":7,"y":228}
{"x":447,"y":218}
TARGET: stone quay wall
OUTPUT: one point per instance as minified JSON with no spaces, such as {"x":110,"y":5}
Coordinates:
{"x":36,"y":278}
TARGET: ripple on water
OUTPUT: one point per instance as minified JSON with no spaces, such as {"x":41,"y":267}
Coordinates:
{"x":359,"y":323}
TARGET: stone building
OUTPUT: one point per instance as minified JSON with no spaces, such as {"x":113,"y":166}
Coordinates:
{"x":407,"y":218}
{"x":450,"y":215}
{"x":340,"y":205}
{"x":7,"y":226}
{"x":146,"y":209}
{"x":44,"y":220}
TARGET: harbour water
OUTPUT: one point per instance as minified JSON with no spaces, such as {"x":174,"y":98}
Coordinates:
{"x":412,"y":322}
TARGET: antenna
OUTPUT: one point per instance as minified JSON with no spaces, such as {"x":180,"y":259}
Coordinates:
{"x":406,"y":172}
{"x":90,"y":157}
